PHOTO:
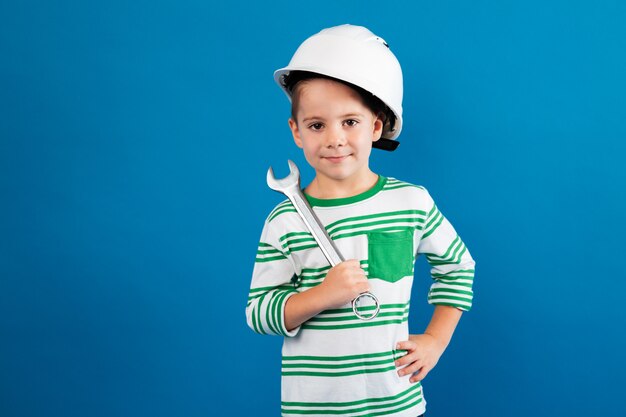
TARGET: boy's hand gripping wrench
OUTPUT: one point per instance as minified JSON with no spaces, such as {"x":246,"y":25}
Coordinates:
{"x":290,"y":186}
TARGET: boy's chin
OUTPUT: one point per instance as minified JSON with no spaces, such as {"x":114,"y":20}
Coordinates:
{"x":338,"y":174}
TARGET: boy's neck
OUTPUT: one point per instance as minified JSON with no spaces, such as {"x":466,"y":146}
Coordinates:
{"x":325,"y":188}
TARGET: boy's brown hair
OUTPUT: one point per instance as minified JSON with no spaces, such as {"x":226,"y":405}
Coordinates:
{"x":373,"y":103}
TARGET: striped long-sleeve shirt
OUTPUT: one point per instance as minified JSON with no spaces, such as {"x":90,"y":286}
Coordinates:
{"x":335,"y":363}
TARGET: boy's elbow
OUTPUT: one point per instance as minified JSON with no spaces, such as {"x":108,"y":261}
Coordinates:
{"x":254,"y":318}
{"x":250,"y":319}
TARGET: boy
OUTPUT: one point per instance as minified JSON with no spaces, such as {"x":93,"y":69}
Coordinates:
{"x":346,"y":91}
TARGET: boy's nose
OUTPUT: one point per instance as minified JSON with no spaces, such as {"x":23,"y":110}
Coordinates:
{"x":335,"y":137}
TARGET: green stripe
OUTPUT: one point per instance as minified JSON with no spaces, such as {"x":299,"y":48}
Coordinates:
{"x":314,"y":270}
{"x":308,"y":364}
{"x":303,"y":247}
{"x":281,"y":208}
{"x":455,"y":259}
{"x":253,"y":318}
{"x":279,"y":314}
{"x":449,"y":254}
{"x":459,"y":306}
{"x":459,"y":273}
{"x":398,"y":409}
{"x":271,"y":308}
{"x":374,"y":216}
{"x":415,"y":387}
{"x":279,"y":212}
{"x":460,"y":284}
{"x":364,"y":308}
{"x":348,"y":200}
{"x":437,"y":219}
{"x":324,"y":269}
{"x":291,"y":242}
{"x":450,"y":297}
{"x":269,"y":259}
{"x":396,"y":186}
{"x":310,"y":282}
{"x":283,"y":204}
{"x":272,"y":287}
{"x":413,"y":396}
{"x":339,"y":374}
{"x":267,"y":251}
{"x":338,"y":358}
{"x":320,"y":276}
{"x":292,"y":234}
{"x":376,"y":414}
{"x":268,"y":317}
{"x":360,"y":323}
{"x":454,"y":243}
{"x":382,"y":229}
{"x":258,"y":311}
{"x":336,"y":365}
{"x":378,"y":222}
{"x":438,"y":290}
{"x":344,"y":318}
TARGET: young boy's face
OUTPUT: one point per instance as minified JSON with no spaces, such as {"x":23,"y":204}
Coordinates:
{"x":334,"y":129}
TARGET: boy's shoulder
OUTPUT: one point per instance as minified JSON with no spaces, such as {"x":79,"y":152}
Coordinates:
{"x":394,"y":184}
{"x":285,"y":206}
{"x":406,"y":191}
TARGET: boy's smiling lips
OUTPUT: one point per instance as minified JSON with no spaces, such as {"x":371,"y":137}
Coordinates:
{"x":335,"y":158}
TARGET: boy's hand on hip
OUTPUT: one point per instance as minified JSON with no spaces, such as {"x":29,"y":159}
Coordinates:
{"x":344,"y":282}
{"x":423,"y":353}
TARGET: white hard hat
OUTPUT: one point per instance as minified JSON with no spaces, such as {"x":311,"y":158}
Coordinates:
{"x":357,"y":56}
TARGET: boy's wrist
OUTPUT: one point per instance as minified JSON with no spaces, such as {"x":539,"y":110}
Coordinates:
{"x":441,"y":341}
{"x":318,"y":297}
{"x":443,"y":324}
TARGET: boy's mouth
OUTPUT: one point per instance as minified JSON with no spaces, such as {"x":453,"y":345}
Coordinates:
{"x":336,"y":159}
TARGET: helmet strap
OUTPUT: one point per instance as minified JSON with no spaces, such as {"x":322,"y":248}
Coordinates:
{"x":386,"y":144}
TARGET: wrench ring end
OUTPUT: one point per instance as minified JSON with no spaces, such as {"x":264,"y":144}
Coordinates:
{"x":363,"y":316}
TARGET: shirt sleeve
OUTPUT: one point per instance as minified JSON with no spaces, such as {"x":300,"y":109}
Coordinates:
{"x":270,"y":288}
{"x":452,"y":266}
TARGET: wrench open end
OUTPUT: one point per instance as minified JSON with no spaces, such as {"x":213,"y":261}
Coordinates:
{"x":291,"y":180}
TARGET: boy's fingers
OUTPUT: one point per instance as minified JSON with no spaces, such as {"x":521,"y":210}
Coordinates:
{"x":410,"y":357}
{"x":420,"y":375}
{"x":403,"y":361}
{"x":407,"y":345}
{"x":353,"y":263}
{"x":411,"y":369}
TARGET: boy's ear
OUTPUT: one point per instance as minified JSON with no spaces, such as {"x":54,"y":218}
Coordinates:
{"x":295,"y":132}
{"x":379,"y":123}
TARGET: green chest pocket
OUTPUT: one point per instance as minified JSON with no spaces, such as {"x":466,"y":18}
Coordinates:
{"x":390,"y":255}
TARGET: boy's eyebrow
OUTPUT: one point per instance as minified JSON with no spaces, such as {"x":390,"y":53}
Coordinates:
{"x":343,"y":116}
{"x":306,"y":119}
{"x":352,"y":115}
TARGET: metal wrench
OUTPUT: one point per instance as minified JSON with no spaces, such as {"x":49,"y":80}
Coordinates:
{"x":290,"y":186}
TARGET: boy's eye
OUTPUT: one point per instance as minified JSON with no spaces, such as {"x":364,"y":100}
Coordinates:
{"x":351,"y":122}
{"x":316,"y":126}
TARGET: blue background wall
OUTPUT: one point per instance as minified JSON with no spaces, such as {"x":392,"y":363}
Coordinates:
{"x":134,"y":141}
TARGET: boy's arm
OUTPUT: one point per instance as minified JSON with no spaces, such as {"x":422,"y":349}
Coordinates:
{"x":443,"y":323}
{"x":451,"y":293}
{"x":302,"y":306}
{"x":424,"y":350}
{"x":276,"y":307}
{"x":343,"y":283}
{"x":271,"y":287}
